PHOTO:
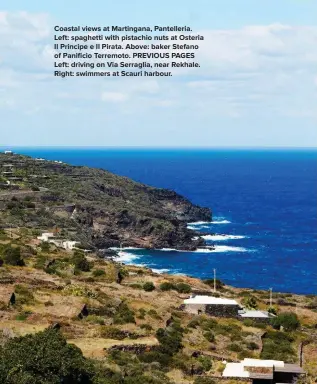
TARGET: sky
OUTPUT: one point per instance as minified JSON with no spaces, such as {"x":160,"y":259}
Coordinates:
{"x":256,"y":86}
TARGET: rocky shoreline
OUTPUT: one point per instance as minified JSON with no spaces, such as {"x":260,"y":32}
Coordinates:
{"x":96,"y":207}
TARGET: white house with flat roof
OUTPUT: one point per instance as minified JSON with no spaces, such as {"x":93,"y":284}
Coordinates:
{"x":69,"y":245}
{"x":214,"y":306}
{"x":209,"y":300}
{"x":223,"y":307}
{"x":255,"y":314}
{"x":46,"y":236}
{"x":260,"y":371}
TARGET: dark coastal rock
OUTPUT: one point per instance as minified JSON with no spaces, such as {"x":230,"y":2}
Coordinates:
{"x":103,"y":210}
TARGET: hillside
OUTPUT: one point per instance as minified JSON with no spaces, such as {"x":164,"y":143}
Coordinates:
{"x":133,"y":327}
{"x":94,"y":206}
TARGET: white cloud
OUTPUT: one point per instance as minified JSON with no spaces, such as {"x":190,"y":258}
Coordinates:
{"x":252,"y":71}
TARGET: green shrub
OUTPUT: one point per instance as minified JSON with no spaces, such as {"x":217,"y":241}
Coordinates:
{"x":194,"y":323}
{"x":205,"y":362}
{"x":248,"y":323}
{"x":278,"y":346}
{"x":155,"y":356}
{"x":21,"y":316}
{"x":183,"y":288}
{"x":288,"y":320}
{"x":12,"y":256}
{"x":154,"y":314}
{"x":148,"y":286}
{"x":170,"y":339}
{"x":252,"y":346}
{"x":250,"y":302}
{"x":40,"y":262}
{"x":24,"y":294}
{"x":272,"y":310}
{"x":234,"y":347}
{"x":209,"y":324}
{"x":80,"y":261}
{"x":98,"y":272}
{"x":45,"y":246}
{"x":166,"y":286}
{"x":209,"y":336}
{"x":210,"y":282}
{"x":44,"y":357}
{"x":123,"y":315}
{"x":142,"y":313}
{"x":147,"y":327}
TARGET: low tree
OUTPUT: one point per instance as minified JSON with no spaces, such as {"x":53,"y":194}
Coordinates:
{"x":80,"y":261}
{"x":45,"y":246}
{"x":250,"y":302}
{"x":288,"y":320}
{"x":210,"y":282}
{"x":43,"y":358}
{"x":12,"y":256}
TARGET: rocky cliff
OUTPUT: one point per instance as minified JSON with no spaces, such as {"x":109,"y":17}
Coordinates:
{"x":96,"y":206}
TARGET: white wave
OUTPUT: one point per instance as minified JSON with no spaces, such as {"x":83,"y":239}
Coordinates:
{"x":203,"y":250}
{"x":225,"y":248}
{"x":199,"y":223}
{"x":222,"y":237}
{"x":126,"y":248}
{"x":163,"y":270}
{"x":221,"y":222}
{"x":126,"y":257}
{"x":167,"y":249}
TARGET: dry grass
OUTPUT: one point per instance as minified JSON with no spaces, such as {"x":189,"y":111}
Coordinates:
{"x":94,"y":347}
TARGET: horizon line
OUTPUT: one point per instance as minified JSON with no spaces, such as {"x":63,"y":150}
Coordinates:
{"x":4,"y":147}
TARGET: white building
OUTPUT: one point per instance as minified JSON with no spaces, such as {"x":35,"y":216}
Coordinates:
{"x":69,"y":245}
{"x":255,"y":369}
{"x":254,"y":314}
{"x":46,"y":236}
{"x":214,"y":306}
{"x":209,"y":300}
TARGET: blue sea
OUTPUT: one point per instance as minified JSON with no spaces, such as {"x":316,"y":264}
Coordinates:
{"x":264,"y":205}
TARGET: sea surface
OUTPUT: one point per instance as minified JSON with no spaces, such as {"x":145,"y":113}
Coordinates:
{"x":264,"y":205}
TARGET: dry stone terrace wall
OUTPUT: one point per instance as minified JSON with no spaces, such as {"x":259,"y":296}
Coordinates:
{"x":230,"y":311}
{"x":138,"y":349}
{"x":222,"y":310}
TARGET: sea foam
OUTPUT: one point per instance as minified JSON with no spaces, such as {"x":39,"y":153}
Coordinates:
{"x":222,"y":237}
{"x":162,"y":270}
{"x":225,"y":248}
{"x":221,"y":222}
{"x":126,"y":257}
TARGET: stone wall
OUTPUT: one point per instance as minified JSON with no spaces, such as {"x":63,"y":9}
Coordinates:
{"x":195,"y":308}
{"x":222,"y":310}
{"x":138,"y":349}
{"x":217,"y":310}
{"x":262,"y":320}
